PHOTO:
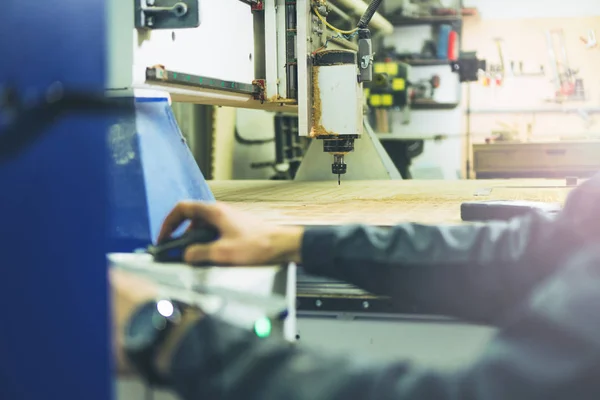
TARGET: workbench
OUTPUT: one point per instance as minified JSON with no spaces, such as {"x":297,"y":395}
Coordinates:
{"x":383,"y":203}
{"x":536,"y":159}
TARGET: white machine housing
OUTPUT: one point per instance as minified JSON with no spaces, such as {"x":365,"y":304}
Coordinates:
{"x":337,"y":100}
{"x":234,"y":43}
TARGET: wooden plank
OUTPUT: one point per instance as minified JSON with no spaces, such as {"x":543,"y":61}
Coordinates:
{"x":382,"y":203}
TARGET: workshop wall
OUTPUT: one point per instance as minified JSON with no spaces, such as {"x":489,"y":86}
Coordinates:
{"x":521,"y":9}
{"x":523,"y":103}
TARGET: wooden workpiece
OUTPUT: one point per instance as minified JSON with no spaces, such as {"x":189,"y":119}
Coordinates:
{"x":383,"y":203}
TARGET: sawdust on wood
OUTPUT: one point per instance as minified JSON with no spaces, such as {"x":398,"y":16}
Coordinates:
{"x":382,"y":203}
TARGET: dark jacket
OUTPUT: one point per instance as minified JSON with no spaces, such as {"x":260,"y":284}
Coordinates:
{"x":536,"y":278}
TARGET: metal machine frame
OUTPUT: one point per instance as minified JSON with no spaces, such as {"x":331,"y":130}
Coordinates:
{"x":279,"y":73}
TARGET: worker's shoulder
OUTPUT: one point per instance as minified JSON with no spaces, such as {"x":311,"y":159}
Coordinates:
{"x":589,"y":186}
{"x":585,"y":199}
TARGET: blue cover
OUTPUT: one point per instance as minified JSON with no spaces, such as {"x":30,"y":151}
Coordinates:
{"x":54,"y":341}
{"x":58,"y":217}
{"x":151,"y":170}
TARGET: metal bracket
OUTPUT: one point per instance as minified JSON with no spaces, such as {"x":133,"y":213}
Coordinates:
{"x":167,"y":14}
{"x":367,"y":60}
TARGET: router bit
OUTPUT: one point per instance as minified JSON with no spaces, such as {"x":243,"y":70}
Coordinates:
{"x":338,"y":167}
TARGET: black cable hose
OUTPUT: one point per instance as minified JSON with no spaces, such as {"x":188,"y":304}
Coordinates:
{"x":241,"y":140}
{"x":369,"y":12}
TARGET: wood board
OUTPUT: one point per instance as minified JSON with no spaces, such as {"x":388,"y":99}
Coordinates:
{"x":383,"y":203}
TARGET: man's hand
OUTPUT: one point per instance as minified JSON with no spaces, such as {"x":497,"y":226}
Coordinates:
{"x":244,"y":240}
{"x":128,"y":292}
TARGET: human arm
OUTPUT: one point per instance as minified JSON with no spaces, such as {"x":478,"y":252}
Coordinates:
{"x":129,"y":293}
{"x":474,"y":272}
{"x":549,"y":349}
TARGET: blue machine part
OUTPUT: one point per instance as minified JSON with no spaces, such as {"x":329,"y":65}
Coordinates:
{"x":54,"y":340}
{"x":151,"y":170}
{"x":62,"y":209}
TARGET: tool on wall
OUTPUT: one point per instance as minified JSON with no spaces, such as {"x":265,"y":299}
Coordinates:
{"x":502,"y":68}
{"x":567,"y":85}
{"x":521,"y":72}
{"x":424,"y":89}
{"x":590,"y":41}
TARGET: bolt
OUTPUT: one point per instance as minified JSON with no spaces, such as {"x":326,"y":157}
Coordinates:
{"x":150,"y":21}
{"x":365,"y":304}
{"x":318,"y":303}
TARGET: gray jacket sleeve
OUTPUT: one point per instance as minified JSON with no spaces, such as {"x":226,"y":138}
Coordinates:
{"x":476,"y":272}
{"x":548,"y":349}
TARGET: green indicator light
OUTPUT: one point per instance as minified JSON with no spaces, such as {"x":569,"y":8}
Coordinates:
{"x":222,"y":84}
{"x":232,"y":84}
{"x":175,"y":75}
{"x":188,"y":78}
{"x":262,"y":327}
{"x":200,"y":80}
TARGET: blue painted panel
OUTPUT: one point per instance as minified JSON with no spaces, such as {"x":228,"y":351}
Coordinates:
{"x":54,"y":339}
{"x":151,"y":170}
{"x":56,"y":212}
{"x":52,"y":40}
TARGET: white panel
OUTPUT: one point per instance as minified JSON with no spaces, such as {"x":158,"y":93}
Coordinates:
{"x":431,"y":344}
{"x":303,"y":15}
{"x":221,"y":47}
{"x":281,"y":46}
{"x":119,"y":55}
{"x":253,"y":125}
{"x":450,"y":88}
{"x":440,"y":160}
{"x":409,"y":39}
{"x":271,"y":47}
{"x":341,"y":110}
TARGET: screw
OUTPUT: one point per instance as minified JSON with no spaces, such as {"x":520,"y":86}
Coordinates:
{"x":318,"y":303}
{"x":150,"y":21}
{"x":365,"y":304}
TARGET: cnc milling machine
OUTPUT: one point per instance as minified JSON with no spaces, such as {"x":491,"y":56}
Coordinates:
{"x":284,"y":56}
{"x":150,"y":51}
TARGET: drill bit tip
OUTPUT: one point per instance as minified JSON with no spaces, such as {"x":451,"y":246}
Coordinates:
{"x":339,"y":177}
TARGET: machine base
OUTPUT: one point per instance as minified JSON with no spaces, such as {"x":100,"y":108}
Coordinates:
{"x":368,"y":161}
